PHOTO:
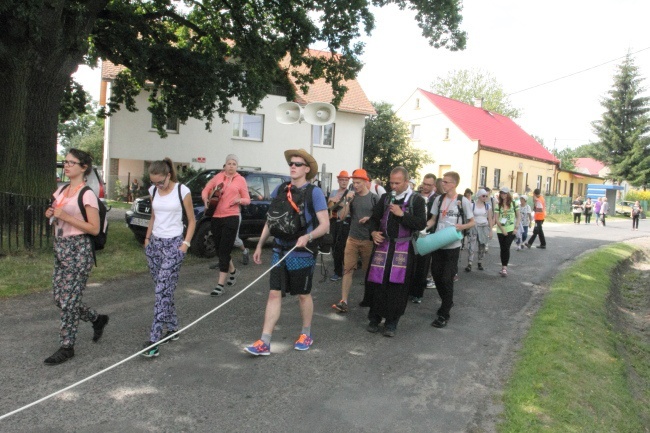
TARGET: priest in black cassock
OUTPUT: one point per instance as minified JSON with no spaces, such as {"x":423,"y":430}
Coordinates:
{"x":398,"y":216}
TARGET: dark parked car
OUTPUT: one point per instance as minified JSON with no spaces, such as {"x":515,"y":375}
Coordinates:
{"x":260,"y":186}
{"x":94,"y":180}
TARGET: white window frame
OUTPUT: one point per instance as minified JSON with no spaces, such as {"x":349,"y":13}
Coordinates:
{"x":497,"y":177}
{"x":239,"y":121}
{"x":483,"y":176}
{"x":539,"y":182}
{"x":416,"y":130}
{"x":548,"y":184}
{"x":319,"y":135}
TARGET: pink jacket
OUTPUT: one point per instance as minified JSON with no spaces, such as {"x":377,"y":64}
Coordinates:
{"x":234,"y":193}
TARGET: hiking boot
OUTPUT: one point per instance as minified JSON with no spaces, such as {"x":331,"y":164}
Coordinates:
{"x":335,"y":278}
{"x":303,"y":342}
{"x":60,"y":356}
{"x":217,"y":291}
{"x":480,"y":267}
{"x":258,"y":348}
{"x":150,"y":353}
{"x":528,"y":245}
{"x":468,"y":268}
{"x":440,"y":322}
{"x":167,"y":334}
{"x":232,"y":278}
{"x":342,"y":306}
{"x":389,"y":332}
{"x":416,"y":299}
{"x":98,"y":327}
{"x":373,"y":327}
{"x":542,"y":247}
{"x":245,"y":257}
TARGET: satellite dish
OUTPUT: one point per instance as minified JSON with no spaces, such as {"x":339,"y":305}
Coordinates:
{"x":288,"y":113}
{"x":319,"y":113}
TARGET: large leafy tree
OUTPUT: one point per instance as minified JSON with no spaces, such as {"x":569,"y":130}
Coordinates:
{"x":466,"y":85}
{"x":83,"y":131}
{"x":622,"y":132}
{"x":193,"y":57}
{"x":387,"y":144}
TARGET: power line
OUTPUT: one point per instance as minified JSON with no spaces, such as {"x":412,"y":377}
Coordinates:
{"x":575,"y":73}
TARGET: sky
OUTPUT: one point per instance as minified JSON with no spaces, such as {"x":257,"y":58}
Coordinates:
{"x":523,"y":44}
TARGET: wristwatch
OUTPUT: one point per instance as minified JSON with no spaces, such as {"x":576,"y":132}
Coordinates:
{"x":187,"y":243}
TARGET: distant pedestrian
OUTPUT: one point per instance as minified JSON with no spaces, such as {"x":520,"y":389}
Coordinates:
{"x":481,"y":233}
{"x":339,"y":227}
{"x":507,"y":217}
{"x":636,"y":213}
{"x":165,"y":246}
{"x":589,"y":209}
{"x":73,"y":253}
{"x":604,"y":210}
{"x":597,"y":207}
{"x":577,"y":210}
{"x":539,"y":207}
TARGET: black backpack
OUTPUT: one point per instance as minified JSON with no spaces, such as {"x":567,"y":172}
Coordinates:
{"x":284,"y":221}
{"x":98,"y":240}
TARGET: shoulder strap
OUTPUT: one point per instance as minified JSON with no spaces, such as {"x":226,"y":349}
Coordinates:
{"x":461,"y":211}
{"x":180,"y":198}
{"x":80,"y":201}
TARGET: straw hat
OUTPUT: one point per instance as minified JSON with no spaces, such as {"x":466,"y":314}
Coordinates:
{"x":313,"y":165}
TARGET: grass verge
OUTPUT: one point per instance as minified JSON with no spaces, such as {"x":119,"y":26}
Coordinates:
{"x":571,"y":375}
{"x":31,"y":271}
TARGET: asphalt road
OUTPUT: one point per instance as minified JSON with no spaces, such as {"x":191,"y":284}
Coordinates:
{"x":422,"y":380}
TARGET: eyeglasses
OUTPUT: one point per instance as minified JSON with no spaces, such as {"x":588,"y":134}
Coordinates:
{"x":70,"y":163}
{"x":161,"y":183}
{"x":297,"y":164}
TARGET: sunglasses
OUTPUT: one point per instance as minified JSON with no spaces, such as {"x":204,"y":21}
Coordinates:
{"x":297,"y":164}
{"x":482,"y":196}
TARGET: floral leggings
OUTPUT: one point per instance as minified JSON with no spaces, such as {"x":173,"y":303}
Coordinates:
{"x":73,"y":260}
{"x":164,"y":260}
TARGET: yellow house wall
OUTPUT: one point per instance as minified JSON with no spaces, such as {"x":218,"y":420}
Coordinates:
{"x":566,"y":179}
{"x":517,"y":172}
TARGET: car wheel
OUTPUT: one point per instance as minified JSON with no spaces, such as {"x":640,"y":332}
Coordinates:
{"x":203,"y":242}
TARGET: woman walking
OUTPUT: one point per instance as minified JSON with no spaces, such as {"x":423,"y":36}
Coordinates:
{"x":589,"y":208}
{"x":73,"y":253}
{"x":604,"y":209}
{"x":526,"y":221}
{"x":166,"y":247}
{"x":481,"y":233}
{"x":597,"y":206}
{"x":507,"y":218}
{"x":233,"y":192}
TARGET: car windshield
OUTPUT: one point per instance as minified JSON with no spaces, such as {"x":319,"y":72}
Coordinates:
{"x":198,"y":182}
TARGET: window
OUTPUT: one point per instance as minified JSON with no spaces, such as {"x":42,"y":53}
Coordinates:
{"x":580,"y":189}
{"x":322,"y":135}
{"x":170,"y":126}
{"x":255,"y":187}
{"x":446,"y":134}
{"x":548,"y":185}
{"x":539,"y":182}
{"x":248,"y":126}
{"x":273,"y":183}
{"x":417,"y":103}
{"x":415,"y":132}
{"x":483,"y":177}
{"x":565,"y":187}
{"x":559,"y":186}
{"x":497,"y":177}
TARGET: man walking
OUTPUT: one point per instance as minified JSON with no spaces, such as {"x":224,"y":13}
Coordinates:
{"x":539,"y":207}
{"x":293,"y":275}
{"x":339,"y":227}
{"x":448,"y":210}
{"x":359,"y":204}
{"x":423,"y":263}
{"x":395,"y":219}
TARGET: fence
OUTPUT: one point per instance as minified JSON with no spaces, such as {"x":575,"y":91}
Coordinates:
{"x":22,"y":224}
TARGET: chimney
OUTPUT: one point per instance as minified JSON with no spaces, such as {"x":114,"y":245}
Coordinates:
{"x":478,"y":102}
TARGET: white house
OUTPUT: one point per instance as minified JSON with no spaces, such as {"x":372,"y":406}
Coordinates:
{"x":130,"y":141}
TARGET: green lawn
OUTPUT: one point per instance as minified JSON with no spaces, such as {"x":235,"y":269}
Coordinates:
{"x":570,"y":375}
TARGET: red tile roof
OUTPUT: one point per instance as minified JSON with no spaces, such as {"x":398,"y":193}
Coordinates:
{"x":492,"y":130}
{"x":354,"y":101}
{"x":588,"y":165}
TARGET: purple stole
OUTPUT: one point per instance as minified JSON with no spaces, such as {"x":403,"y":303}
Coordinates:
{"x":400,"y":256}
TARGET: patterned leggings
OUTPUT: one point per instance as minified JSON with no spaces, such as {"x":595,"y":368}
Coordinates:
{"x":73,"y":260}
{"x":164,"y":260}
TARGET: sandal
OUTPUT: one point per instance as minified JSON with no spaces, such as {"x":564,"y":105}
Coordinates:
{"x":232,"y":278}
{"x":217,"y":291}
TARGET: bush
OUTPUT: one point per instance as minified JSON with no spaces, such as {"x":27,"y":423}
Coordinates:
{"x":635,"y":195}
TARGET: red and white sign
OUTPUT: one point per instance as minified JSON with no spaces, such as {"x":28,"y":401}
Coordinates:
{"x":201,"y":159}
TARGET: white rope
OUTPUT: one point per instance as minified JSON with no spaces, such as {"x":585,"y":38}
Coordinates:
{"x":34,"y":403}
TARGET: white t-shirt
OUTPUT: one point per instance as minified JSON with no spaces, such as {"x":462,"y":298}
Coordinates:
{"x":450,"y":215}
{"x":168,"y":210}
{"x":480,"y":215}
